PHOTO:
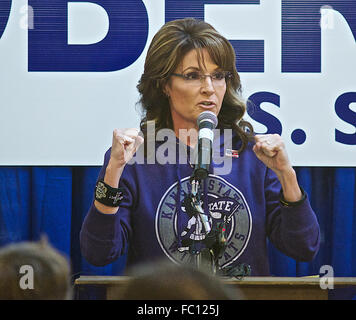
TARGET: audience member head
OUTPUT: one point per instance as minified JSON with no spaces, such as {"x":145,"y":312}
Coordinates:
{"x":168,"y":281}
{"x":34,"y":271}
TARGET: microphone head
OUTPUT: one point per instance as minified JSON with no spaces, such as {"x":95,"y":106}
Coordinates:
{"x":208,"y":116}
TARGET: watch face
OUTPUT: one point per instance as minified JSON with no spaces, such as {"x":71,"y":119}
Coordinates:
{"x":101,"y":190}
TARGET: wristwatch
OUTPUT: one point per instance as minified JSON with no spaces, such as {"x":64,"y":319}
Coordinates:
{"x":108,"y":195}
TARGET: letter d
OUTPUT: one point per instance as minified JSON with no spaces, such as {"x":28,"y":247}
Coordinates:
{"x":49,"y":49}
{"x":5,"y":7}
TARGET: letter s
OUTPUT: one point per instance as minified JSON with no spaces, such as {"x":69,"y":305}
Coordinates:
{"x":256,"y":113}
{"x":342,"y":109}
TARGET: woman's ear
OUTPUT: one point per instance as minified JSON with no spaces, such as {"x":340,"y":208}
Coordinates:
{"x":166,"y":90}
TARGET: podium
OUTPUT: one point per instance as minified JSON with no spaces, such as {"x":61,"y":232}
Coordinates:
{"x":252,"y":288}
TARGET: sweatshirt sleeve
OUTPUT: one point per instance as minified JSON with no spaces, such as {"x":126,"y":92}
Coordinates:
{"x":293,"y":230}
{"x":105,"y":237}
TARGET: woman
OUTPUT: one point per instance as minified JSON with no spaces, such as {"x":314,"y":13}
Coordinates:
{"x":190,"y":68}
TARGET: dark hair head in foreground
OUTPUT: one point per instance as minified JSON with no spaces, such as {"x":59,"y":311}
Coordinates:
{"x":34,"y":271}
{"x":168,"y":281}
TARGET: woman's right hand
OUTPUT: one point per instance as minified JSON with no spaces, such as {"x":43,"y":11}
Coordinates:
{"x":125,"y":143}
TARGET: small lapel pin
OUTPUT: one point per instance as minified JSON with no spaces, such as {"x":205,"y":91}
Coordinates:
{"x":231,"y":153}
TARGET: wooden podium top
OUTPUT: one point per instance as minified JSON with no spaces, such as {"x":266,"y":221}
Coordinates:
{"x":253,"y":288}
{"x":250,"y":281}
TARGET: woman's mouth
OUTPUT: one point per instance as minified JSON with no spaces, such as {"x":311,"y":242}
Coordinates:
{"x":207,"y":104}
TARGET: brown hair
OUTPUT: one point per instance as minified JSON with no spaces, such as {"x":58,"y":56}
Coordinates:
{"x":51,"y":271}
{"x":163,"y":280}
{"x":170,"y":44}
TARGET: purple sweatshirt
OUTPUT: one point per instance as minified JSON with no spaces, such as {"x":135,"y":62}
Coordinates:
{"x":150,"y":224}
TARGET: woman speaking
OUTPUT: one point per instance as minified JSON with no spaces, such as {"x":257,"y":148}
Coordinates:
{"x":146,"y":209}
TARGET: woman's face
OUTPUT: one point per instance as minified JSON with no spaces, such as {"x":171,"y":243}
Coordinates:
{"x":187,"y":100}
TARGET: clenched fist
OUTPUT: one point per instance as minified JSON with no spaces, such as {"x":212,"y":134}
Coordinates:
{"x":270,"y":149}
{"x":125,"y":143}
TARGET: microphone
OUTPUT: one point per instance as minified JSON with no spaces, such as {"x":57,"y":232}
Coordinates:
{"x":207,"y":122}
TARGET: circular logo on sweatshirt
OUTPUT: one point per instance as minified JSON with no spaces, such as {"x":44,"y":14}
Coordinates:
{"x":223,"y":214}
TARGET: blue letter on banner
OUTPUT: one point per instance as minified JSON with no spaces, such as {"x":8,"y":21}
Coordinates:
{"x":5,"y":7}
{"x":48,"y":48}
{"x":343,"y":110}
{"x":255,"y":111}
{"x":249,"y":53}
{"x":301,"y":32}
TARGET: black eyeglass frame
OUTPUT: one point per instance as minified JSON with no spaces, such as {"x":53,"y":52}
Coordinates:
{"x":227,"y":75}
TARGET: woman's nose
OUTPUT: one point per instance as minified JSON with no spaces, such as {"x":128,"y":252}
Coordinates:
{"x":207,"y":85}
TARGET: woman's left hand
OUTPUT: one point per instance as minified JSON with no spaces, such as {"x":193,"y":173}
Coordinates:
{"x":270,"y":149}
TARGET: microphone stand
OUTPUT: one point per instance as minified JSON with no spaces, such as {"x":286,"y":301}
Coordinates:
{"x":207,"y":247}
{"x":200,"y":255}
{"x":215,"y":241}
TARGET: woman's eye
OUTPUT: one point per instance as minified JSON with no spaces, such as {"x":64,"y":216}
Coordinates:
{"x":192,"y":76}
{"x":219,"y":75}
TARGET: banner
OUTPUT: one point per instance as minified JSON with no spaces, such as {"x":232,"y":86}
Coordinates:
{"x":69,"y":70}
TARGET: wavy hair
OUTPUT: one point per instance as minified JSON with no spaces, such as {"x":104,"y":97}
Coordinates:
{"x":166,"y":51}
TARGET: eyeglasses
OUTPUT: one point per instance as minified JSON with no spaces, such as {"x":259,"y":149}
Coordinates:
{"x":196,"y":78}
